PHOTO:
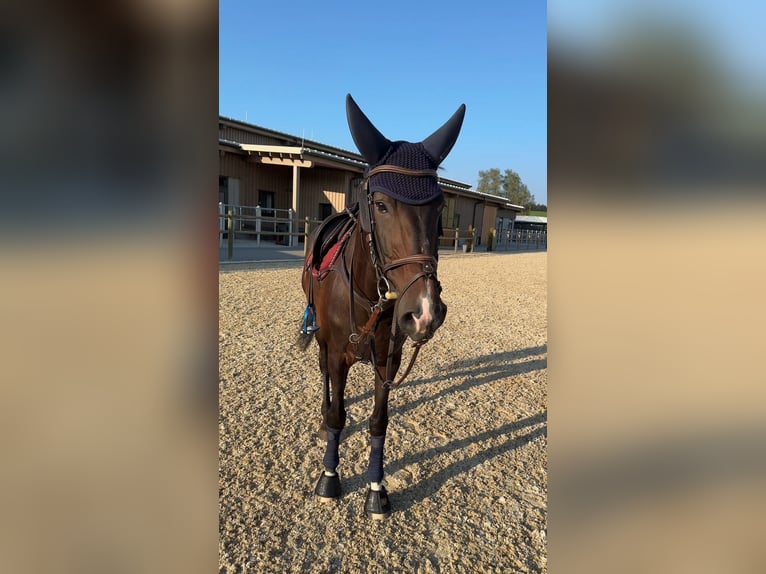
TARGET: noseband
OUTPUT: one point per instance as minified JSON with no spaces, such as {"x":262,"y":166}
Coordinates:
{"x":385,"y":294}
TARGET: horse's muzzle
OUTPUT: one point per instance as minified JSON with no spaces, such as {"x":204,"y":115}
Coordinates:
{"x":421,"y":322}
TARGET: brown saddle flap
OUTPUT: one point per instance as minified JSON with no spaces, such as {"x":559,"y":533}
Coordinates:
{"x":330,"y":232}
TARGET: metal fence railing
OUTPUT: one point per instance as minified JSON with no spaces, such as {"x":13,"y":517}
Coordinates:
{"x":458,"y":239}
{"x":517,"y":239}
{"x":280,"y":226}
{"x":285,"y":227}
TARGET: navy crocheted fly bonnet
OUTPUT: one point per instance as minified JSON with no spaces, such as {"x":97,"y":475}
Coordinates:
{"x":425,"y":155}
{"x":406,"y":188}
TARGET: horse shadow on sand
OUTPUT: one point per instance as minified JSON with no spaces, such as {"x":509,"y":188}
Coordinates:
{"x":474,"y":372}
{"x":428,"y":486}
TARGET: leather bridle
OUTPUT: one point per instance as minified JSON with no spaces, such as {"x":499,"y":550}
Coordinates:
{"x":385,"y":294}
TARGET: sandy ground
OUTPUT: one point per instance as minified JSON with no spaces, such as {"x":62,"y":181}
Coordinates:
{"x":466,"y":445}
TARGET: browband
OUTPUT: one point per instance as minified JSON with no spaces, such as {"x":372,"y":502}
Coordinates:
{"x":402,"y":170}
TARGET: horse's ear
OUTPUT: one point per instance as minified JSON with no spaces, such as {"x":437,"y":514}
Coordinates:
{"x":440,"y":143}
{"x":369,"y":141}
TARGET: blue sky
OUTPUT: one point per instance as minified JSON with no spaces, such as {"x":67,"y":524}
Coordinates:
{"x":287,"y":66}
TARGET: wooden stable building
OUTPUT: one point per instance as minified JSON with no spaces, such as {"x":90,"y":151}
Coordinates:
{"x":277,"y":171}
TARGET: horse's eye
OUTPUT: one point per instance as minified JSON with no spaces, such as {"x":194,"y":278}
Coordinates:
{"x":381,"y":206}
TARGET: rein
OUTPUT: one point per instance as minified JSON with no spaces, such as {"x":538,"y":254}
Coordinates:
{"x":385,"y":294}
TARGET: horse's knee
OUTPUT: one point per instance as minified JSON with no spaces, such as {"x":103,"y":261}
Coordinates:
{"x":378,"y":425}
{"x":336,"y":418}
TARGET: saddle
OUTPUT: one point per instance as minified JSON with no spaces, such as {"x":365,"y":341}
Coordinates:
{"x":330,"y":238}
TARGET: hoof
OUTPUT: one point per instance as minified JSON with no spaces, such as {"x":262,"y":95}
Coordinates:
{"x":377,"y":505}
{"x":328,"y":488}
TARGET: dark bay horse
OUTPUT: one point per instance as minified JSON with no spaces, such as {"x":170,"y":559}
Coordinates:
{"x":371,"y":282}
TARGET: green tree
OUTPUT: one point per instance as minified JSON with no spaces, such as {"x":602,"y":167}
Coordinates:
{"x":506,"y":184}
{"x":490,"y":182}
{"x":516,"y":190}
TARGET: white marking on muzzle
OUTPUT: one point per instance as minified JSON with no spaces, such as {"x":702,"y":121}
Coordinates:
{"x":425,"y":319}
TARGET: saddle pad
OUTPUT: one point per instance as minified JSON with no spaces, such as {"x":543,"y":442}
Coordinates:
{"x":328,"y":258}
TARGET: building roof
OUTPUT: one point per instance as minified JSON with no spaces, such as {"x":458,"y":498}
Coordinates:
{"x":303,"y":142}
{"x":532,"y":219}
{"x":298,"y":149}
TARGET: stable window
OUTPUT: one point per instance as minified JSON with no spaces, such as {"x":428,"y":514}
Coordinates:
{"x":266,"y":202}
{"x":223,"y":189}
{"x":450,"y":219}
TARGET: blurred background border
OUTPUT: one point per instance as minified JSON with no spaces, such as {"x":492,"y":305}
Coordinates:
{"x":109,"y":287}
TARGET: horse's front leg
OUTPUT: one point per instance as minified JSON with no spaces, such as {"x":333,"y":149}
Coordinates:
{"x":377,"y":504}
{"x":325,"y":391}
{"x":334,"y":419}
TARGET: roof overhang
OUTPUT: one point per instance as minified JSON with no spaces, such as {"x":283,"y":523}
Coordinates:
{"x":293,"y":156}
{"x":514,"y":207}
{"x":500,"y":202}
{"x":276,"y":155}
{"x":334,"y":160}
{"x":532,"y":219}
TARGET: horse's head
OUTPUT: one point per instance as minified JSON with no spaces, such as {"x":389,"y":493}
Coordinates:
{"x":400,"y":209}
